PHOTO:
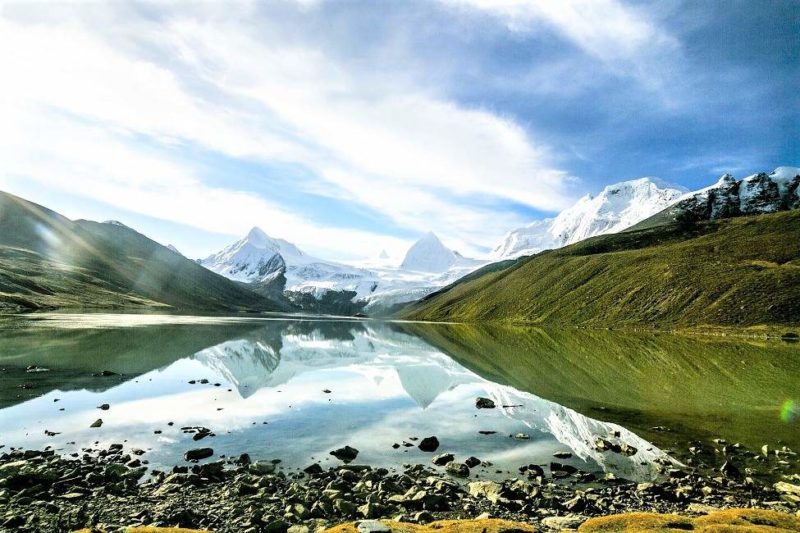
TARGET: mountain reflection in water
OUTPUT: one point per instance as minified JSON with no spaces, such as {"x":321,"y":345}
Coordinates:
{"x":386,"y":385}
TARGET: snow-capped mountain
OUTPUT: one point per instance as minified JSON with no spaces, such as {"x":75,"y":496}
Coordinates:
{"x":259,"y":258}
{"x":429,"y":254}
{"x":616,"y":208}
{"x":263,"y":261}
{"x":729,"y":197}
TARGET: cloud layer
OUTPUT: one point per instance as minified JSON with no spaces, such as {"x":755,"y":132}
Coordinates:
{"x":342,"y":127}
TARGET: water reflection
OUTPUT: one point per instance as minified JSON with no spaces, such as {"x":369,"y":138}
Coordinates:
{"x":385,"y":385}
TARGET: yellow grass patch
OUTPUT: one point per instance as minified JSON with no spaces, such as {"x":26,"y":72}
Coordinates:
{"x":446,"y":526}
{"x":727,"y":521}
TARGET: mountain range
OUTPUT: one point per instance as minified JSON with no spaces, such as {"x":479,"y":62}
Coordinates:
{"x":616,"y":208}
{"x":705,"y":260}
{"x":276,"y":267}
{"x":48,"y":261}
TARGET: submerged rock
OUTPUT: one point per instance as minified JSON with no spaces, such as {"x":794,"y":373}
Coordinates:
{"x":429,"y":444}
{"x":198,"y":454}
{"x":346,"y":453}
{"x":484,"y":403}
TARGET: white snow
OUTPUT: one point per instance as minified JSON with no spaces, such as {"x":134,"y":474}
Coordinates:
{"x":428,"y":266}
{"x":616,"y":208}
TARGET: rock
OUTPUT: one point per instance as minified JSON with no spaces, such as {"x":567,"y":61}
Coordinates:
{"x":561,"y":470}
{"x":484,"y":403}
{"x":472,"y":462}
{"x":372,"y":526}
{"x":345,"y":454}
{"x":627,"y":449}
{"x":97,"y":423}
{"x":485,"y":489}
{"x":457,"y":469}
{"x":787,"y":488}
{"x":243,"y":459}
{"x":313,"y":469}
{"x":522,"y":436}
{"x":370,"y":510}
{"x":701,"y":508}
{"x":104,"y":407}
{"x":443,"y":459}
{"x":561,"y":523}
{"x":277,"y":526}
{"x":730,"y":471}
{"x":344,"y":507}
{"x":198,"y":454}
{"x":262,"y":468}
{"x":562,"y":455}
{"x":429,"y":444}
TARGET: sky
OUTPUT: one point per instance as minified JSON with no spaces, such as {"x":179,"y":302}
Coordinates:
{"x":349,"y":127}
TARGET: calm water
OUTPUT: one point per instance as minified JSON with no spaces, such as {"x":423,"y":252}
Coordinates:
{"x":268,"y":382}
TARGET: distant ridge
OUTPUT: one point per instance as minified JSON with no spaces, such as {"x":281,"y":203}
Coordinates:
{"x":50,"y":262}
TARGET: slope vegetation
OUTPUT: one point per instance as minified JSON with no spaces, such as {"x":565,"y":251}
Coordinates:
{"x":732,"y":272}
{"x":50,"y":262}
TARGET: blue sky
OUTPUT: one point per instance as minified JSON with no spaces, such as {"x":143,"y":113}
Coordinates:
{"x":349,"y":127}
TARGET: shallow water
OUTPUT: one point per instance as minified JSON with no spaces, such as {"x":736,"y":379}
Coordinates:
{"x":389,"y":383}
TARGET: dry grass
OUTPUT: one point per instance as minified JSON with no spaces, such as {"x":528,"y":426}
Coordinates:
{"x":731,"y":520}
{"x":446,"y":526}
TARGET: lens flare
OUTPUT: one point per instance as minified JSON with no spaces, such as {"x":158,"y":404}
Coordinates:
{"x":790,"y":411}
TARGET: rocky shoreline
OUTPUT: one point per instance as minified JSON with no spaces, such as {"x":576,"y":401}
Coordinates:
{"x":111,"y":488}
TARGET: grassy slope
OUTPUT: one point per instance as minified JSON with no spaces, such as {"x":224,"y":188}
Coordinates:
{"x":735,"y":272}
{"x":50,"y":262}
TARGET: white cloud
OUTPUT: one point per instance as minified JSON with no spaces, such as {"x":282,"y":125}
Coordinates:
{"x":621,"y":36}
{"x":77,"y":101}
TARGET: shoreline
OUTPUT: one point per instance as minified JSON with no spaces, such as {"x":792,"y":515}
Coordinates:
{"x":111,"y":488}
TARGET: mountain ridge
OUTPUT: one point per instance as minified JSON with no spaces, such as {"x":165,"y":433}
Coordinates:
{"x":48,"y":261}
{"x":617,"y":207}
{"x":736,"y":272}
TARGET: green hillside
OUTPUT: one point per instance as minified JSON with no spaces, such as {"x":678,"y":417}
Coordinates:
{"x":694,"y":384}
{"x":734,"y":272}
{"x":50,"y":262}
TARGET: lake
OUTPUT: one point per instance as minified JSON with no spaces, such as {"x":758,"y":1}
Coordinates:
{"x":294,"y":389}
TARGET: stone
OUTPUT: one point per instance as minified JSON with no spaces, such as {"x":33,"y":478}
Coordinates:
{"x":730,"y":471}
{"x":97,"y":423}
{"x":372,"y":526}
{"x":560,"y":523}
{"x":313,"y":469}
{"x":345,"y":454}
{"x":344,"y":507}
{"x":443,"y":459}
{"x":701,"y":508}
{"x":104,"y":407}
{"x":262,"y":467}
{"x":484,"y":403}
{"x":485,"y":489}
{"x":472,"y":462}
{"x":457,"y":469}
{"x":562,"y":455}
{"x":429,"y":444}
{"x":787,"y":488}
{"x":198,"y":454}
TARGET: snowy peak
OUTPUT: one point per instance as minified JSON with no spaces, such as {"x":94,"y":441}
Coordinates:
{"x":255,"y":257}
{"x":616,"y":208}
{"x":755,"y":194}
{"x":429,"y":254}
